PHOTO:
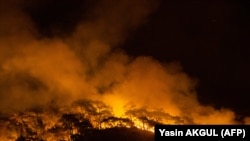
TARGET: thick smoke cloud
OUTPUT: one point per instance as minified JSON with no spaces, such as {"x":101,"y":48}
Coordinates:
{"x":87,"y":64}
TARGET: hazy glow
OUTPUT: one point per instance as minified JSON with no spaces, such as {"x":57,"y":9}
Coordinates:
{"x":53,"y":71}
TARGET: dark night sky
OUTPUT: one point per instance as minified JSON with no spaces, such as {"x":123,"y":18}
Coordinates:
{"x":209,"y":38}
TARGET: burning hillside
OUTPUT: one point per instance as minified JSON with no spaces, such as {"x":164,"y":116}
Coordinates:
{"x":79,"y":120}
{"x":57,"y":88}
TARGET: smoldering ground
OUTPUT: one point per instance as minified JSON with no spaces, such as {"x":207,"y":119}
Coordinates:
{"x":40,"y":70}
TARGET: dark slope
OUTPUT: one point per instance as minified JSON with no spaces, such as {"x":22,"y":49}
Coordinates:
{"x":118,"y":134}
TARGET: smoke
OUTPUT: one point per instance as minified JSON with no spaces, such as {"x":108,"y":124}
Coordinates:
{"x":86,"y":64}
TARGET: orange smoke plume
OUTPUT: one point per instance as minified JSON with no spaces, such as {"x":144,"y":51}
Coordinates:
{"x":40,"y":72}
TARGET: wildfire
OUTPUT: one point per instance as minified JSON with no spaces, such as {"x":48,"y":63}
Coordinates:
{"x":78,"y":119}
{"x":57,"y":88}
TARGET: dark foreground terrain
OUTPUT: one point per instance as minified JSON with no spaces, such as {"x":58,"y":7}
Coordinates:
{"x":117,"y":134}
{"x":111,"y":134}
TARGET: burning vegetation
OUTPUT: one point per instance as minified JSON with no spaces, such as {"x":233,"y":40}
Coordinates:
{"x":73,"y":87}
{"x":78,"y":121}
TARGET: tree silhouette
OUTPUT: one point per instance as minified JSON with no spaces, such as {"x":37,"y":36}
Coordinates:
{"x":111,"y":122}
{"x":69,"y":122}
{"x":82,"y":122}
{"x":86,"y":107}
{"x":96,"y":111}
{"x":76,"y":125}
{"x":150,"y":117}
{"x":27,"y":125}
